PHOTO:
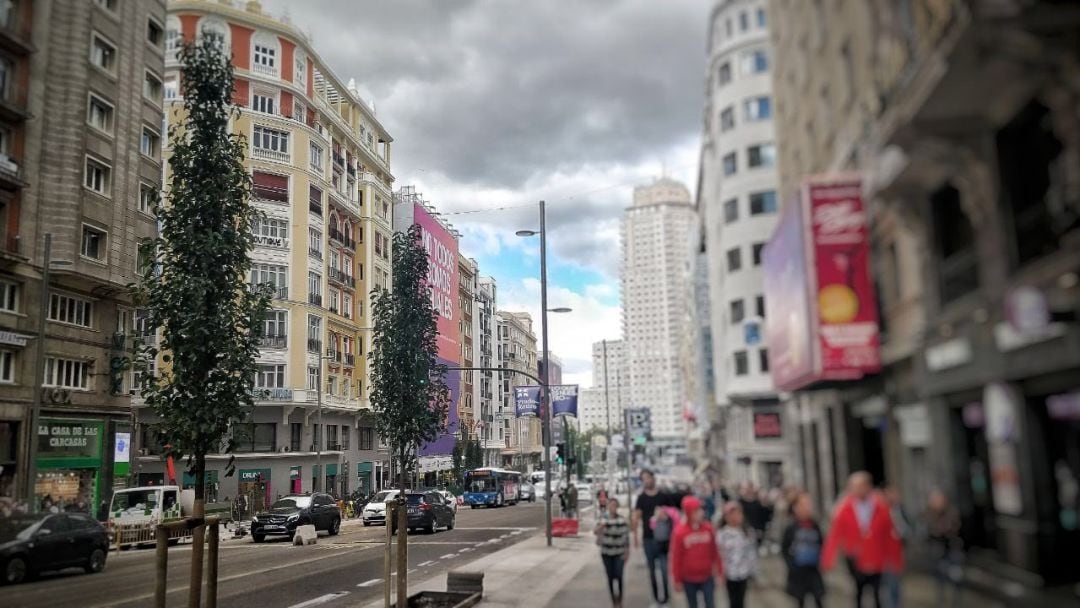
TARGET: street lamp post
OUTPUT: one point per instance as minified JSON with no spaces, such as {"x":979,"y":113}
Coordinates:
{"x":545,"y":425}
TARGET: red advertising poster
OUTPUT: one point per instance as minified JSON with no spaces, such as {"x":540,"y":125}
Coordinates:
{"x":846,"y":309}
{"x":767,"y":425}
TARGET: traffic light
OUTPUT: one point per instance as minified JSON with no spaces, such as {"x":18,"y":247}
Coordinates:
{"x":560,"y":452}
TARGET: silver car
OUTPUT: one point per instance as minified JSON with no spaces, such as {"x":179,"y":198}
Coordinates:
{"x":375,"y":510}
{"x":527,"y":492}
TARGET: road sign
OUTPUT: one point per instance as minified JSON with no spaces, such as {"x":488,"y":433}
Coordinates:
{"x":639,"y":424}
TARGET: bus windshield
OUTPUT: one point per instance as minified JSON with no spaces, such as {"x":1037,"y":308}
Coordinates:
{"x":482,"y":484}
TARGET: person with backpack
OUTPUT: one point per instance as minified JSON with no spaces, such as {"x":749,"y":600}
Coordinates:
{"x":801,"y":548}
{"x":738,"y":548}
{"x":695,"y":558}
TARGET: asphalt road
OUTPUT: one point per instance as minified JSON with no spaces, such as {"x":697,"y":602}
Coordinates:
{"x":338,"y":571}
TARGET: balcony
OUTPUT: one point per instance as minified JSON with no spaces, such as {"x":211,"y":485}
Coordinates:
{"x":350,"y":359}
{"x":314,"y":345}
{"x":333,"y":309}
{"x":13,"y":40}
{"x":10,"y":172}
{"x":338,"y":197}
{"x":315,"y":208}
{"x":337,"y":276}
{"x":271,"y":155}
{"x":337,"y":235}
{"x":351,"y":170}
{"x":273,"y":341}
{"x":274,"y":394}
{"x":315,"y":299}
{"x":265,"y":70}
{"x":334,"y":355}
{"x":315,"y":253}
{"x":374,"y":180}
{"x":339,"y":161}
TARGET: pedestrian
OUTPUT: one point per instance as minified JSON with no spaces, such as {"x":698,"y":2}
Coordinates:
{"x":656,"y":558}
{"x":613,"y":536}
{"x":902,"y":529}
{"x":571,"y":500}
{"x":695,"y":558}
{"x":943,"y":534}
{"x":863,"y":530}
{"x":756,"y":513}
{"x":801,"y":548}
{"x":738,"y":549}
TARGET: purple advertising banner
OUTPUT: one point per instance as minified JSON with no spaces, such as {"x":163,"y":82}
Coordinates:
{"x":444,"y":443}
{"x":788,"y":329}
{"x":564,"y":400}
{"x":526,"y":401}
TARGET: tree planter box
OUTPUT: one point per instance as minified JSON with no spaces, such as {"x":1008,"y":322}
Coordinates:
{"x":442,"y":599}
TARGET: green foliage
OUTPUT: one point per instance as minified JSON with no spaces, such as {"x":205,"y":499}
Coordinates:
{"x":409,"y":395}
{"x":196,"y":293}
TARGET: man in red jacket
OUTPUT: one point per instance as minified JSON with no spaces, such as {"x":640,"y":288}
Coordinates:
{"x":862,"y":528}
{"x":695,"y":560}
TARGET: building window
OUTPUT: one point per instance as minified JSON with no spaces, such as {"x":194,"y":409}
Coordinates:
{"x":316,"y":155}
{"x":759,"y":306}
{"x":730,"y":164}
{"x":727,"y":27}
{"x":150,"y":143}
{"x":731,"y":210}
{"x":147,"y":198}
{"x":9,"y":296}
{"x":758,"y":108}
{"x":276,"y":324}
{"x":334,"y":300}
{"x":99,"y":114}
{"x":763,"y":202}
{"x":67,"y":373}
{"x":262,"y":102}
{"x":271,"y":142}
{"x":296,"y":435}
{"x":270,"y":231}
{"x":346,"y":306}
{"x":7,"y":366}
{"x":173,"y":38}
{"x":957,"y":263}
{"x":761,"y":155}
{"x":274,"y":275}
{"x":172,"y":89}
{"x":723,"y":74}
{"x":734,"y":259}
{"x":312,"y":377}
{"x":315,"y":243}
{"x":93,"y":243}
{"x":72,"y":310}
{"x":367,"y":438}
{"x":727,"y":119}
{"x":270,"y":376}
{"x":742,"y":364}
{"x":103,"y":53}
{"x":264,"y":56}
{"x":152,"y":87}
{"x":755,"y":62}
{"x":346,"y":433}
{"x":757,"y":249}
{"x":7,"y":78}
{"x":300,"y":71}
{"x":761,"y":21}
{"x":744,"y":21}
{"x":738,"y":311}
{"x":314,"y":281}
{"x":270,"y":187}
{"x":98,"y":176}
{"x":109,"y":5}
{"x":155,"y":34}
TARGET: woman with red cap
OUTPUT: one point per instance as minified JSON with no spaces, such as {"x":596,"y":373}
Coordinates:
{"x":695,"y":559}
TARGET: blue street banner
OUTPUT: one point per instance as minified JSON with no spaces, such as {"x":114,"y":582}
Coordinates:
{"x":564,"y":399}
{"x":526,"y":401}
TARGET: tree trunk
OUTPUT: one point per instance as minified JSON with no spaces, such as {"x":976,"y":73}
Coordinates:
{"x":403,"y":533}
{"x":198,"y":534}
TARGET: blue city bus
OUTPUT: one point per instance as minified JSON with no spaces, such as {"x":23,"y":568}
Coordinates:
{"x":492,"y":487}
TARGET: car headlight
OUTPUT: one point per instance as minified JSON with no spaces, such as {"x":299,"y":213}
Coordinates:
{"x":294,"y":517}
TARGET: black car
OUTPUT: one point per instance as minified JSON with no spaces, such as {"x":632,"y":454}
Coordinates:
{"x":30,"y":544}
{"x":428,"y":511}
{"x":288,"y":512}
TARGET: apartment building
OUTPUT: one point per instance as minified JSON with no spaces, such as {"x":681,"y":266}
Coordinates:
{"x":467,"y":286}
{"x":737,"y":203}
{"x":486,"y":398}
{"x":74,"y":174}
{"x":320,"y":165}
{"x":522,"y":446}
{"x":603,"y":400}
{"x":960,"y":120}
{"x":655,"y":282}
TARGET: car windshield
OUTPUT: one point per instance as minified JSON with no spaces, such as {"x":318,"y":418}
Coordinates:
{"x":18,"y":527}
{"x":292,"y":502}
{"x":135,"y":501}
{"x":384,"y":496}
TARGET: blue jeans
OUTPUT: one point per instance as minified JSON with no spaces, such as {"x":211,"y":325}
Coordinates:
{"x":656,"y":558}
{"x":891,"y":582}
{"x":708,"y":589}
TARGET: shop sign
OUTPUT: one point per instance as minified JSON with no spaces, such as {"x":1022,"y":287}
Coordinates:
{"x":1002,"y":403}
{"x":122,"y":451}
{"x":948,"y":354}
{"x":1027,"y":310}
{"x":12,"y":338}
{"x":1064,"y":407}
{"x":254,"y":475}
{"x":69,"y":439}
{"x":914,"y":425}
{"x":767,"y":425}
{"x":294,"y":472}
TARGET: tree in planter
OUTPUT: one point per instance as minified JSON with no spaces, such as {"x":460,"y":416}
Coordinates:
{"x":196,"y":292}
{"x":409,"y":395}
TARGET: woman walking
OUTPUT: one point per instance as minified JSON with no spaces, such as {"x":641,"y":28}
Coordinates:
{"x":695,"y":559}
{"x":738,"y":549}
{"x":801,"y":548}
{"x":613,"y":536}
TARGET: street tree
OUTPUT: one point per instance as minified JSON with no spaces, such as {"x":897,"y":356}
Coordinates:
{"x":409,"y":395}
{"x":196,"y":290}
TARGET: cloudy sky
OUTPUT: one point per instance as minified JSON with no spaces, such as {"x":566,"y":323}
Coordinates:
{"x":496,"y":104}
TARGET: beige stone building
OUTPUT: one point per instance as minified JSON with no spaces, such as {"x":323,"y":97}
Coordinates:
{"x":80,"y":158}
{"x":523,"y":444}
{"x":467,"y":275}
{"x":962,"y":118}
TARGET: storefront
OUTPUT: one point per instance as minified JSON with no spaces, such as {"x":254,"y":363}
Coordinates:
{"x":255,"y":486}
{"x":212,"y":488}
{"x":329,"y":484}
{"x":296,"y":479}
{"x":9,"y":440}
{"x":69,"y":463}
{"x":364,"y":477}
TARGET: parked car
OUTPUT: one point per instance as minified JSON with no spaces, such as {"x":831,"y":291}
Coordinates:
{"x":584,"y":492}
{"x":450,"y":499}
{"x":288,"y":512}
{"x":427,"y":511}
{"x":375,"y":510}
{"x":30,"y":544}
{"x":527,"y":492}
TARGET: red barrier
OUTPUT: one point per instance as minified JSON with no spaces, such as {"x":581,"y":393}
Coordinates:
{"x":563,"y":526}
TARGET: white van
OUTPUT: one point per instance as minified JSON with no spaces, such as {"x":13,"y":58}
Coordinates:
{"x":134,"y":513}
